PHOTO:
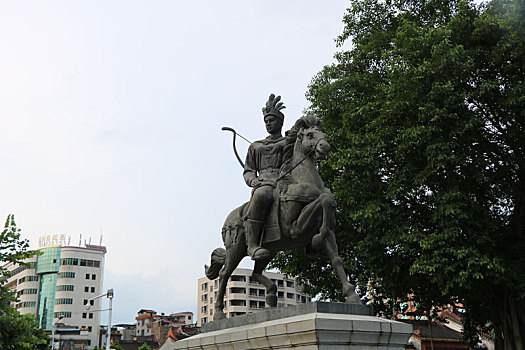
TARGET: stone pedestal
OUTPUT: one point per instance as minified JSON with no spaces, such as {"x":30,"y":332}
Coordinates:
{"x":319,"y":329}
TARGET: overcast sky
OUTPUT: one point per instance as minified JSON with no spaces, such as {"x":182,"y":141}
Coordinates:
{"x":111,"y":116}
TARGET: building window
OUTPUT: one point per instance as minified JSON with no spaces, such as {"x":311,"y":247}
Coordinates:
{"x":27,"y":304}
{"x":91,"y":302}
{"x":92,"y":289}
{"x":27,"y":291}
{"x":90,"y":328}
{"x":90,"y":315}
{"x":66,"y":275}
{"x":204,"y":298}
{"x":290,"y":295}
{"x":69,"y":261}
{"x":65,"y":314}
{"x":93,"y":277}
{"x":238,"y":290}
{"x":65,"y":287}
{"x":89,"y":263}
{"x":204,"y":286}
{"x":86,"y":289}
{"x":84,"y":315}
{"x":87,"y":276}
{"x":61,"y":301}
{"x":238,"y":278}
{"x":28,"y":279}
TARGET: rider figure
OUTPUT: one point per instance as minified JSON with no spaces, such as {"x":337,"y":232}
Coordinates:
{"x":261,"y":171}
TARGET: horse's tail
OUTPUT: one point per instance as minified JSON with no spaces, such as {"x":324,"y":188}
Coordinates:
{"x":218,"y":256}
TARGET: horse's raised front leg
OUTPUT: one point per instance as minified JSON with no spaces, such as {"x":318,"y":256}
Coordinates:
{"x":320,"y":212}
{"x":234,"y":255}
{"x":271,"y":288}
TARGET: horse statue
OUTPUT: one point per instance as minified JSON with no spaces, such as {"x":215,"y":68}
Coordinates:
{"x":302,"y":215}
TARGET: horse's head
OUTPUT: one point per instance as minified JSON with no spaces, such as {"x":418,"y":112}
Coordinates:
{"x":312,"y":139}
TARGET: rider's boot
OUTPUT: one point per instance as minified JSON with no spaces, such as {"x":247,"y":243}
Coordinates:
{"x":253,"y":238}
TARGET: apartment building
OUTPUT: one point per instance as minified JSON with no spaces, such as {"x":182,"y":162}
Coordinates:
{"x":244,"y":295}
{"x":56,"y":287}
{"x":147,"y":321}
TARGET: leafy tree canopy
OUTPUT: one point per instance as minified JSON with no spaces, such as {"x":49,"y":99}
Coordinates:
{"x":16,"y":331}
{"x":12,"y":249}
{"x":426,"y":115}
{"x":144,"y":346}
{"x":116,"y":345}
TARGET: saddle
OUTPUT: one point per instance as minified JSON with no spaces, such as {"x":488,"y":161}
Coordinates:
{"x":272,"y":230}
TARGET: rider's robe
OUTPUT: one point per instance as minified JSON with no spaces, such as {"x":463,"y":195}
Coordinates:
{"x":264,"y":160}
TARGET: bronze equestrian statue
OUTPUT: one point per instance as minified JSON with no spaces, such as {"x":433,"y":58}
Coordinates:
{"x":296,"y":210}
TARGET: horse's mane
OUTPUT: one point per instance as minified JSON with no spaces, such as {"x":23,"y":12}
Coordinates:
{"x":308,"y":121}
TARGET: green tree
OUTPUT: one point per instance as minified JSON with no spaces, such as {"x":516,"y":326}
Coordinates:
{"x":144,"y":346}
{"x":12,"y":249}
{"x":19,"y":332}
{"x":16,"y":331}
{"x":426,"y":115}
{"x":116,"y":345}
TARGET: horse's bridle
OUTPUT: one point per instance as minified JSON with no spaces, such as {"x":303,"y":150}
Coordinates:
{"x":302,"y":160}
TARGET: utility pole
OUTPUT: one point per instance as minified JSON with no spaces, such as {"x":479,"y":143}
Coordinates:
{"x":110,"y":295}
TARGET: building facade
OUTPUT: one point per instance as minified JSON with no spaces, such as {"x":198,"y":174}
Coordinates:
{"x":57,"y":285}
{"x":244,"y":295}
{"x":150,"y":324}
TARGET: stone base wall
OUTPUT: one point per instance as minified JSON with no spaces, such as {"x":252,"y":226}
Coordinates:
{"x":312,"y":331}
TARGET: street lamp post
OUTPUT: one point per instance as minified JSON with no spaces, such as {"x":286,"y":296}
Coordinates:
{"x":53,"y":328}
{"x":109,"y":294}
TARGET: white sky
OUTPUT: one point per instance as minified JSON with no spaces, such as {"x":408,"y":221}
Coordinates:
{"x":111,"y":114}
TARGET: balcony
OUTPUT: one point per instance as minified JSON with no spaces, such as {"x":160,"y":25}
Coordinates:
{"x":257,"y":293}
{"x":238,"y":278}
{"x":237,"y":309}
{"x":257,"y":305}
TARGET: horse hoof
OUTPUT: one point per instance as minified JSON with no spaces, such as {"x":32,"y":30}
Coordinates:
{"x":353,"y":299}
{"x":219,"y":315}
{"x":271,"y":300}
